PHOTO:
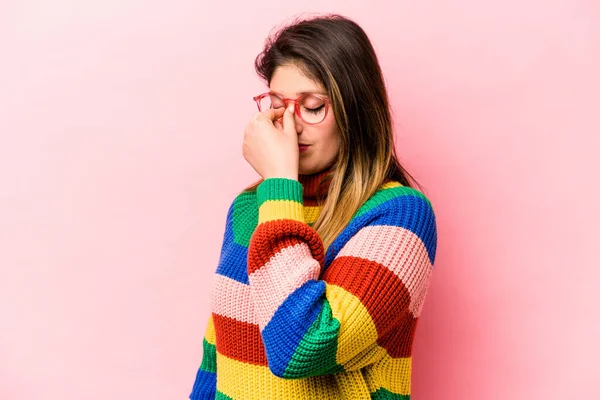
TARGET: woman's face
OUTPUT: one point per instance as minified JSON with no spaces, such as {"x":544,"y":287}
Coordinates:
{"x":323,"y":138}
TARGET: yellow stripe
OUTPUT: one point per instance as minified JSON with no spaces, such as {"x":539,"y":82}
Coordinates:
{"x":240,"y":380}
{"x":311,"y":214}
{"x":351,"y":385}
{"x":391,"y":373}
{"x":272,"y":210}
{"x":357,"y":340}
{"x":390,"y":185}
{"x":209,"y":335}
{"x":358,"y":331}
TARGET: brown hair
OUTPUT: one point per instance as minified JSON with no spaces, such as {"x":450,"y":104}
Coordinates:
{"x":336,"y":52}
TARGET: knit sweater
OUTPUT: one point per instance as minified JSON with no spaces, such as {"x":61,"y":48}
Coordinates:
{"x":291,"y":321}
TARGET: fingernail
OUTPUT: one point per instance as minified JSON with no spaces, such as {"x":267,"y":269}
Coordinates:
{"x":291,"y":108}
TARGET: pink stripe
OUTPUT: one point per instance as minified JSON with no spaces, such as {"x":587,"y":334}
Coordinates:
{"x":232,"y":299}
{"x":399,"y":250}
{"x":272,"y":283}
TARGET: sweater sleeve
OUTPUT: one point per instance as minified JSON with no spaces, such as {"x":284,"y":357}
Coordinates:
{"x":366,"y":303}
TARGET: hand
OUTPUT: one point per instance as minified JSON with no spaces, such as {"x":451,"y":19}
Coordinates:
{"x":270,"y":147}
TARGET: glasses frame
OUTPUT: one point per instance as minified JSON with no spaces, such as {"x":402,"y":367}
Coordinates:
{"x":287,"y":100}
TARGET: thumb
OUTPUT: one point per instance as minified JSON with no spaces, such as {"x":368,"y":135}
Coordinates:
{"x":289,"y":124}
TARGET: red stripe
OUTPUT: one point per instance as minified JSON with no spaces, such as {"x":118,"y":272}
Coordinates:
{"x":398,"y":342}
{"x":271,"y":237}
{"x":239,"y":340}
{"x":383,"y":294}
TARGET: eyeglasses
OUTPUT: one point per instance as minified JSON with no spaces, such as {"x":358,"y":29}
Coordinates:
{"x":309,"y":107}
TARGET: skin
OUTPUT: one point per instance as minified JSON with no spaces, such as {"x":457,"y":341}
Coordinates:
{"x":271,"y":136}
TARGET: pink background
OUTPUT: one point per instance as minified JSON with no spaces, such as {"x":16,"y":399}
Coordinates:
{"x":121,"y":126}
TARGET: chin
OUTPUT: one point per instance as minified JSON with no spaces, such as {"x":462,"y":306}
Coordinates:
{"x":307,"y":169}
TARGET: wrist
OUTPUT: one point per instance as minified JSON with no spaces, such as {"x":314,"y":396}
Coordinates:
{"x":286,"y":175}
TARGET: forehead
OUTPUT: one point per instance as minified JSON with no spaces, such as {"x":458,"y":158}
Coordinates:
{"x":290,"y":81}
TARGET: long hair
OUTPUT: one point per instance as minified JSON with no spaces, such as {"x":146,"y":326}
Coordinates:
{"x":335,"y":51}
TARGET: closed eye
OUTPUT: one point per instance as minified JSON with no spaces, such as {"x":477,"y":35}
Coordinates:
{"x":315,"y":110}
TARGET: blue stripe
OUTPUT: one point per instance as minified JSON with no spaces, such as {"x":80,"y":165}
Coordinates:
{"x":232,"y":260}
{"x":205,"y":386}
{"x":291,"y":321}
{"x":232,"y":263}
{"x":410,"y":212}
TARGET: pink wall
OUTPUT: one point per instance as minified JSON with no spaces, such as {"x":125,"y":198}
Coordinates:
{"x":121,"y":126}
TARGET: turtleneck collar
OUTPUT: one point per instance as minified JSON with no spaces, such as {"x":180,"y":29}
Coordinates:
{"x":311,"y":183}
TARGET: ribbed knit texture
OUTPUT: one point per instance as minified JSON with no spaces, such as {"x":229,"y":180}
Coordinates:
{"x":290,"y":321}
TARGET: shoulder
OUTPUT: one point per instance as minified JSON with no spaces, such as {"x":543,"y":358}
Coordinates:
{"x":244,"y":200}
{"x":242,"y":216}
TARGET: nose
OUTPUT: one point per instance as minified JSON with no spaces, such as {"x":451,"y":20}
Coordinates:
{"x":299,"y":126}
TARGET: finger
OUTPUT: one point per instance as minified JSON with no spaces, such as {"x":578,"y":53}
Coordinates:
{"x":289,"y":124}
{"x":274,"y":113}
{"x":278,"y":124}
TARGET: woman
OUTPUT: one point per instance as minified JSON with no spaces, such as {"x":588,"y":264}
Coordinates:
{"x":325,"y":261}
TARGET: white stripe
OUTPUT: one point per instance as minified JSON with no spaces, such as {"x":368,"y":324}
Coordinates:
{"x":398,"y":249}
{"x":232,"y":299}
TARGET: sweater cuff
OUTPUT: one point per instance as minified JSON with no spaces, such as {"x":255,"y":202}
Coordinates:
{"x":280,"y":198}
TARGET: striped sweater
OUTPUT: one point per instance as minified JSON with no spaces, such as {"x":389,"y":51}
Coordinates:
{"x":291,"y":321}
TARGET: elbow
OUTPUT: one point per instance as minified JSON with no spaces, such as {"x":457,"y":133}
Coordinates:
{"x":302,"y":370}
{"x":281,"y":361}
{"x":282,"y":370}
{"x":279,"y":370}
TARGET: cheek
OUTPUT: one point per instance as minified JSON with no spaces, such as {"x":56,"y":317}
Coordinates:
{"x":329,"y":131}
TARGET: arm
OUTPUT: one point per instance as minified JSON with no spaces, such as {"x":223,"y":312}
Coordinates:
{"x":364,"y":304}
{"x":206,"y":376}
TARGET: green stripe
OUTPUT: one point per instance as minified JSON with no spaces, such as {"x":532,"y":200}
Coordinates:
{"x":384,"y":394}
{"x":209,"y":357}
{"x":318,"y":343}
{"x":222,"y":396}
{"x":245,"y":218}
{"x":279,"y":189}
{"x":384,"y":195}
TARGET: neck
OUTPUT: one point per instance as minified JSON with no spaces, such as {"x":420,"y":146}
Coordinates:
{"x":311,"y":184}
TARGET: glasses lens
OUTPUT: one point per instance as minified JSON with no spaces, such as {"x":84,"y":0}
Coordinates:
{"x":312,"y":109}
{"x":271,"y":101}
